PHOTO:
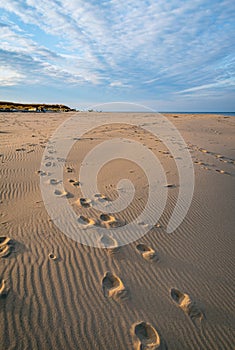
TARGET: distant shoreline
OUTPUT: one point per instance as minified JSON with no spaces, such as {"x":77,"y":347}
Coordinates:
{"x":6,"y":106}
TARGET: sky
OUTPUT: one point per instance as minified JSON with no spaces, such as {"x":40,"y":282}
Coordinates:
{"x":168,"y":55}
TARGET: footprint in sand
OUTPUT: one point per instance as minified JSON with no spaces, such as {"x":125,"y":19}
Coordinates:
{"x":184,"y":301}
{"x":220,"y":171}
{"x":60,"y":193}
{"x":86,"y":221}
{"x":101,"y":197}
{"x":109,"y":243}
{"x":52,"y":256}
{"x":85,"y":202}
{"x":74,"y":182}
{"x":145,"y":336}
{"x":5,"y":246}
{"x":109,"y":221}
{"x":54,"y":182}
{"x":170,"y":185}
{"x":203,"y":150}
{"x":147,"y":252}
{"x":42,"y":173}
{"x":69,"y":169}
{"x":3,"y":289}
{"x":113,"y":287}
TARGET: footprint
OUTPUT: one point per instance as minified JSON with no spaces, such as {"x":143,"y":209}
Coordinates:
{"x":183,"y":301}
{"x":107,"y":217}
{"x":4,"y":240}
{"x":69,"y":169}
{"x":110,"y":244}
{"x":85,"y":202}
{"x":110,"y":221}
{"x":147,"y":252}
{"x":3,"y":289}
{"x":54,"y":182}
{"x":86,"y":221}
{"x":60,"y":193}
{"x":52,"y":256}
{"x":5,"y":251}
{"x":113,"y":287}
{"x":5,"y":246}
{"x":74,"y":182}
{"x":42,"y":173}
{"x":101,"y":197}
{"x":170,"y":185}
{"x":145,"y":337}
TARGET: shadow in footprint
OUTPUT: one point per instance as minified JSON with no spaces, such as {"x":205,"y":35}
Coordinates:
{"x":147,"y":252}
{"x":6,"y":246}
{"x":86,"y":221}
{"x":146,"y":337}
{"x":85,"y":202}
{"x":113,"y":287}
{"x":109,"y":221}
{"x":184,"y":301}
{"x":62,"y":194}
{"x":3,"y":289}
{"x":75,"y":183}
{"x":101,"y":198}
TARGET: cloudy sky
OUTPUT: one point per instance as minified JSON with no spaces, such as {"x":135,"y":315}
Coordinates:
{"x":170,"y":55}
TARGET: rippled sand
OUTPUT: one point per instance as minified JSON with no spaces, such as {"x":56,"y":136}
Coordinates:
{"x":172,"y":291}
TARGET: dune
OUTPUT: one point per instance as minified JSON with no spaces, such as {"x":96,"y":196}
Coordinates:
{"x":162,"y":291}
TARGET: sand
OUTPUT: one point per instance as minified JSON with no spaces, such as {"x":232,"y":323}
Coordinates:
{"x":165,"y":290}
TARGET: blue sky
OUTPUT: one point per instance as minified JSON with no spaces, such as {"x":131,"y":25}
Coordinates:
{"x":174,"y":55}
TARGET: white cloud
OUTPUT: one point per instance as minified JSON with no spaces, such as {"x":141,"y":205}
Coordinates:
{"x":118,"y":84}
{"x":121,"y":43}
{"x":9,"y":77}
{"x":222,"y":83}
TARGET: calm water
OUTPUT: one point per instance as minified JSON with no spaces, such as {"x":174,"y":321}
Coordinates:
{"x":219,"y":113}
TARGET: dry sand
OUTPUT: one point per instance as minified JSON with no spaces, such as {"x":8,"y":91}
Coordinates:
{"x":172,"y":291}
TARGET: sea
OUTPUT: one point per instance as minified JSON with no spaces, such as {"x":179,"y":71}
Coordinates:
{"x":229,"y":114}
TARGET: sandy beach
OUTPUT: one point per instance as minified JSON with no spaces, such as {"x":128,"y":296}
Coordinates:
{"x":163,"y":291}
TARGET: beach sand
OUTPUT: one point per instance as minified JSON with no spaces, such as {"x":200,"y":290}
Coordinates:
{"x":165,"y":290}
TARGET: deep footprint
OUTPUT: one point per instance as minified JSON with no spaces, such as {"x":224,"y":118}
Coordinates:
{"x":86,"y":221}
{"x":5,"y":246}
{"x":147,"y":252}
{"x":184,"y":301}
{"x":110,"y":243}
{"x":109,"y":221}
{"x":74,"y":182}
{"x":146,"y":337}
{"x":113,"y":287}
{"x":60,"y":193}
{"x":85,"y":202}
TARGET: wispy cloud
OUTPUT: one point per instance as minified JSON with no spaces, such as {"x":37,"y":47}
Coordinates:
{"x":222,"y":83}
{"x":155,"y":47}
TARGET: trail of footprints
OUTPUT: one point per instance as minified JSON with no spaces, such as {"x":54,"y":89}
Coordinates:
{"x":144,"y":335}
{"x":219,"y":157}
{"x":183,"y":301}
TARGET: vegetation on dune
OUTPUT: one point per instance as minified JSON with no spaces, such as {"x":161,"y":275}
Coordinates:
{"x":35,"y":107}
